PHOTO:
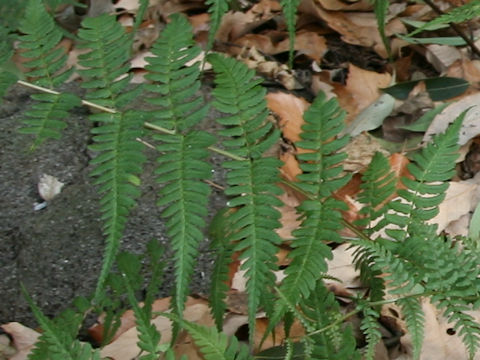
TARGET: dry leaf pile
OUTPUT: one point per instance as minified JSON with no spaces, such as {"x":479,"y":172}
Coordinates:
{"x":339,"y":51}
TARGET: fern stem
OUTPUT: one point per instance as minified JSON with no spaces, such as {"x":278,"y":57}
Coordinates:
{"x":359,"y":309}
{"x":50,"y":91}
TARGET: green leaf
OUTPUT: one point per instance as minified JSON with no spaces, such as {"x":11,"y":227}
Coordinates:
{"x":251,"y":182}
{"x":439,"y":89}
{"x":183,"y":166}
{"x":120,"y":157}
{"x":446,"y":40}
{"x":289,"y":9}
{"x":474,"y":228}
{"x":216,"y":8}
{"x":381,"y":11}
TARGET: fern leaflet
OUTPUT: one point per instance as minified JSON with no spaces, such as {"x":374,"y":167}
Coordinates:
{"x":224,"y":256}
{"x":420,"y":200}
{"x":369,"y":325}
{"x":120,"y":158}
{"x":251,"y":182}
{"x":336,"y":342}
{"x":289,"y":8}
{"x":47,"y":66}
{"x":148,"y":335}
{"x":458,"y":14}
{"x":58,"y":340}
{"x":320,"y":217}
{"x":217,"y":8}
{"x":182,"y":166}
{"x":414,"y":319}
{"x":214,"y":345}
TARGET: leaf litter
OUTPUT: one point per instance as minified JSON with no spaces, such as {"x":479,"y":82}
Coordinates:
{"x":257,"y":37}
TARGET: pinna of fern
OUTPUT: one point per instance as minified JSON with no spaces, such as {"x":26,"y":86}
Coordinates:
{"x":120,"y":155}
{"x":59,"y":336}
{"x":182,"y":166}
{"x":251,"y":181}
{"x":47,"y":67}
{"x":320,"y":214}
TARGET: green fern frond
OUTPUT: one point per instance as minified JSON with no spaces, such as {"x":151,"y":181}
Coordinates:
{"x":47,"y":67}
{"x":434,"y":164}
{"x":219,"y":230}
{"x":321,"y":217}
{"x":7,"y":78}
{"x":120,"y":156}
{"x":216,"y":9}
{"x":378,"y":185}
{"x":336,"y":341}
{"x":251,"y":182}
{"x":381,"y":11}
{"x":182,"y":166}
{"x":58,"y":340}
{"x":212,"y":344}
{"x":370,"y":327}
{"x":289,"y":8}
{"x":40,"y":43}
{"x":458,"y":14}
{"x":148,"y":335}
{"x":414,"y":319}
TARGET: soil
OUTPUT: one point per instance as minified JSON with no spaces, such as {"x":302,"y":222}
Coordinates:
{"x":56,"y":252}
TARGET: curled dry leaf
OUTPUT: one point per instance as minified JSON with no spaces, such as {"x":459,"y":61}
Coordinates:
{"x":49,"y":187}
{"x":23,"y":338}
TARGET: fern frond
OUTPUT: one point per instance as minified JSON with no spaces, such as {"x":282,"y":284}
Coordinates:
{"x":47,"y":67}
{"x":212,"y":344}
{"x":434,"y":164}
{"x":378,"y":185}
{"x":216,"y":9}
{"x":414,"y":319}
{"x":321,"y":217}
{"x":7,"y":78}
{"x":148,"y":335}
{"x":120,"y":158}
{"x":58,"y":340}
{"x":323,"y":311}
{"x":289,"y":9}
{"x":458,"y":14}
{"x":219,"y":230}
{"x":182,"y":166}
{"x":251,"y":182}
{"x":381,"y":11}
{"x":369,"y":326}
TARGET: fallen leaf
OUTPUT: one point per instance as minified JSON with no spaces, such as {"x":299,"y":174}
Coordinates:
{"x":361,"y":90}
{"x":442,"y":56}
{"x":23,"y":338}
{"x":457,"y":202}
{"x":290,"y":109}
{"x":341,"y":267}
{"x":360,"y":151}
{"x":49,"y":187}
{"x":437,"y":342}
{"x":470,"y":126}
